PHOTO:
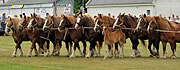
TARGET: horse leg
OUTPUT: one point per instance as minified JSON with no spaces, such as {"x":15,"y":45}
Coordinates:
{"x":164,"y":49}
{"x":90,"y":50}
{"x":121,"y":55}
{"x":84,"y":45}
{"x":73,"y":50}
{"x":116,"y":52}
{"x":175,"y":48}
{"x":58,"y":48}
{"x":21,"y":52}
{"x":149,"y":47}
{"x":67,"y":48}
{"x":106,"y":50}
{"x":99,"y":48}
{"x":79,"y":49}
{"x":111,"y":51}
{"x":172,"y":48}
{"x":31,"y":48}
{"x":70,"y":43}
{"x":156,"y":44}
{"x":134,"y":47}
{"x":54,"y":48}
{"x":16,"y":48}
{"x":47,"y":48}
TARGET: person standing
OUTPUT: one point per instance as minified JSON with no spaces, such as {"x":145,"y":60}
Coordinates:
{"x":173,"y":18}
{"x":2,"y":21}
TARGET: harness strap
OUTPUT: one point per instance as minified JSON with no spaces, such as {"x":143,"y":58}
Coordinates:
{"x":66,"y":29}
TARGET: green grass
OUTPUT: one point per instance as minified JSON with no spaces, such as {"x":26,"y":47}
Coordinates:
{"x":80,"y":63}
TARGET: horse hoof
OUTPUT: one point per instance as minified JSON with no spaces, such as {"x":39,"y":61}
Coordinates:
{"x":72,"y":56}
{"x":21,"y":55}
{"x":150,"y":55}
{"x":138,"y":55}
{"x":29,"y":56}
{"x":104,"y":58}
{"x":164,"y":57}
{"x":173,"y":57}
{"x":13,"y":56}
{"x":121,"y":56}
{"x":132,"y":56}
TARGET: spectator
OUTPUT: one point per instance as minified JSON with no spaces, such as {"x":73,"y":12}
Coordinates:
{"x":113,"y":16}
{"x":47,"y":15}
{"x":109,"y":14}
{"x":177,"y":19}
{"x":15,"y":16}
{"x":2,"y":21}
{"x":173,"y":18}
{"x":160,"y":15}
{"x":169,"y":18}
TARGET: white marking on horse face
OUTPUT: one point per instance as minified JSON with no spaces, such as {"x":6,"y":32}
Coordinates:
{"x":6,"y":29}
{"x":61,"y":22}
{"x":138,"y":23}
{"x":30,"y":23}
{"x":149,"y":26}
{"x":78,"y":20}
{"x":115,"y":22}
{"x":45,"y":24}
{"x":76,"y":26}
{"x":95,"y":25}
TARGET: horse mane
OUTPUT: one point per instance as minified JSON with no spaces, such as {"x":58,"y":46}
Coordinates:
{"x":165,"y":24}
{"x":71,"y":19}
{"x":108,"y":20}
{"x":89,"y":17}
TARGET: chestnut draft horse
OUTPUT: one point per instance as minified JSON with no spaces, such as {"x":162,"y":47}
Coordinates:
{"x":153,"y":37}
{"x":131,"y":22}
{"x":110,"y":38}
{"x":20,"y":33}
{"x":53,"y":22}
{"x":76,"y":35}
{"x":36,"y":33}
{"x":85,"y":20}
{"x":170,"y":37}
{"x":99,"y":21}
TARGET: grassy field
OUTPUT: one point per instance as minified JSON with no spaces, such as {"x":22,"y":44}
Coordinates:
{"x":81,"y":63}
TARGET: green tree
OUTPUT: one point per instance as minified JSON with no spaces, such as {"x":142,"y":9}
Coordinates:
{"x":78,"y":4}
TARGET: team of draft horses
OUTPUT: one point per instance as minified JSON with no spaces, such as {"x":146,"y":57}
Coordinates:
{"x":101,"y":29}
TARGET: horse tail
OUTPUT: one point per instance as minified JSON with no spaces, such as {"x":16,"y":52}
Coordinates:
{"x":144,"y":43}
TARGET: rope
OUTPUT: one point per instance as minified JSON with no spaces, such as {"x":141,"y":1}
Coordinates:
{"x":66,"y":29}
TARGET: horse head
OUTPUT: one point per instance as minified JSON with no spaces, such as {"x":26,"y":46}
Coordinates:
{"x":9,"y":24}
{"x":153,"y":24}
{"x":119,"y":20}
{"x":23,"y":21}
{"x":65,"y":22}
{"x":105,"y":29}
{"x":98,"y":22}
{"x":48,"y":23}
{"x":36,"y":21}
{"x":33,"y":22}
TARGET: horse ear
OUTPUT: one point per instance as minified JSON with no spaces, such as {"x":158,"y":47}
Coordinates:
{"x":144,"y":15}
{"x":24,"y":15}
{"x":119,"y":14}
{"x":34,"y":14}
{"x":101,"y":15}
{"x":20,"y":15}
{"x":123,"y":14}
{"x":31,"y":15}
{"x":10,"y":19}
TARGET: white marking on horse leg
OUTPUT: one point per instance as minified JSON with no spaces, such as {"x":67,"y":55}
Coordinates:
{"x":107,"y":49}
{"x":95,"y":52}
{"x":121,"y":55}
{"x":138,"y":53}
{"x":14,"y":53}
{"x":133,"y":53}
{"x":73,"y":53}
{"x":80,"y":52}
{"x":21,"y":52}
{"x":30,"y":53}
{"x":99,"y":51}
{"x":89,"y":54}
